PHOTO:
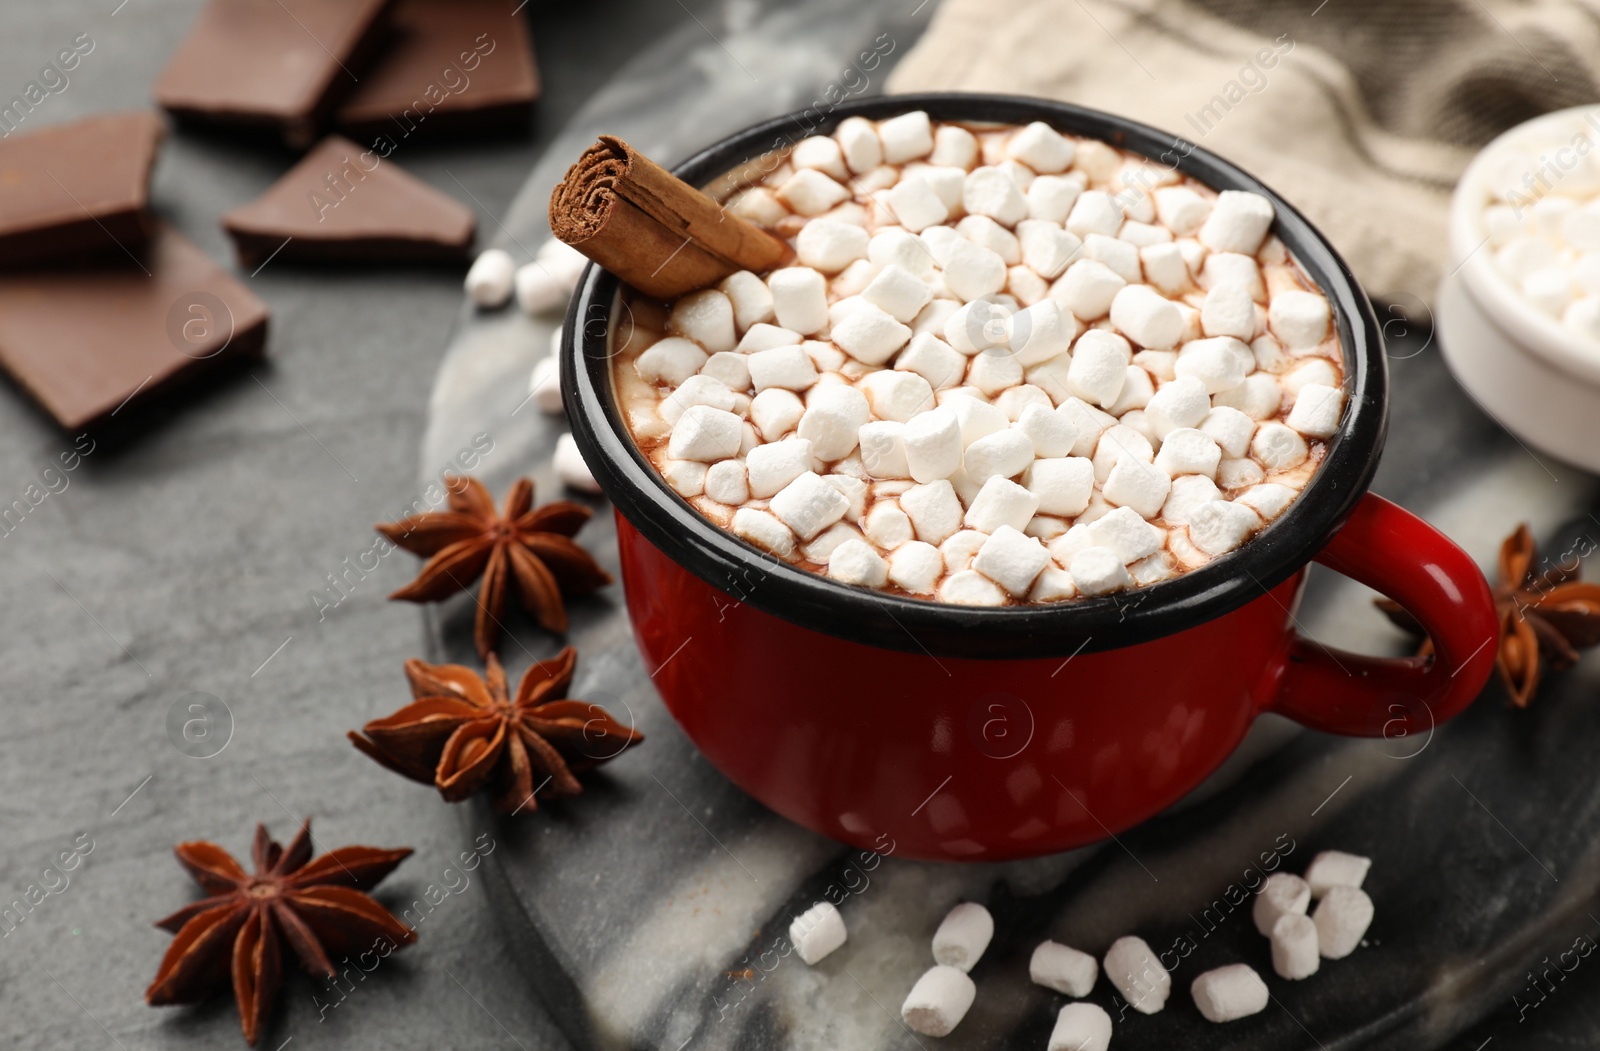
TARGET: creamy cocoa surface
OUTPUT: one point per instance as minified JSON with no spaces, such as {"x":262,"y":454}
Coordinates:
{"x":1005,"y":366}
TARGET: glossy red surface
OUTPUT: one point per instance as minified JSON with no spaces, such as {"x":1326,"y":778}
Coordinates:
{"x":986,"y":760}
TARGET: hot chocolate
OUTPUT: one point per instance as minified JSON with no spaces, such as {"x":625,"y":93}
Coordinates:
{"x":1005,"y":365}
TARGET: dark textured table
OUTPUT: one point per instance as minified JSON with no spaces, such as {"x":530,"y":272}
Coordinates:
{"x":187,"y":559}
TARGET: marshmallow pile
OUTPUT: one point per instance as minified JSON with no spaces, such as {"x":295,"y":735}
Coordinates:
{"x":1006,"y":365}
{"x":1546,"y":238}
{"x":1332,"y":932}
{"x":942,"y":996}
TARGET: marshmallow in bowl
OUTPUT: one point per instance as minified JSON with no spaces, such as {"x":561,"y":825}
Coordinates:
{"x":988,"y":340}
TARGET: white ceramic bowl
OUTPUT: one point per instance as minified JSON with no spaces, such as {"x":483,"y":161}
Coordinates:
{"x":1538,"y":378}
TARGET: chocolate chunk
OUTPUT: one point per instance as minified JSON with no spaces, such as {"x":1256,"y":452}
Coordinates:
{"x":86,"y":341}
{"x":278,"y":64}
{"x":446,"y":65}
{"x":343,"y":203}
{"x":78,"y":190}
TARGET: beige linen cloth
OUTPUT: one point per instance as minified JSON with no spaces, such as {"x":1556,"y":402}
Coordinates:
{"x":1362,"y":113}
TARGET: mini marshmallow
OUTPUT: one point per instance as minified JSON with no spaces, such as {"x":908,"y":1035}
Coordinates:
{"x":1041,"y":148}
{"x":978,"y":418}
{"x":1003,"y":454}
{"x":829,"y":245}
{"x":1342,"y":918}
{"x":1188,"y":492}
{"x":858,"y":142}
{"x":915,"y":204}
{"x":986,"y":233}
{"x":799,"y":299}
{"x":906,"y":137}
{"x":1132,"y":966}
{"x":789,"y":368}
{"x":1087,"y":288}
{"x":895,"y":247}
{"x":1238,"y":222}
{"x":1282,"y":894}
{"x":971,"y":271}
{"x":915,"y":566}
{"x":1051,"y":197}
{"x":1181,"y":209}
{"x":1000,"y":502}
{"x":1228,"y":993}
{"x":538,"y":290}
{"x":968,"y":587}
{"x":705,"y":434}
{"x":939,"y":1001}
{"x":821,"y":153}
{"x":934,"y":510}
{"x":1017,"y":400}
{"x":933,"y":444}
{"x":1258,"y":397}
{"x":544,"y":386}
{"x":809,"y":192}
{"x":1140,"y":486}
{"x":1050,"y":430}
{"x":959,"y":550}
{"x":1294,"y":946}
{"x":1051,"y":377}
{"x":775,"y":412}
{"x":1119,"y":256}
{"x":1063,"y":485}
{"x":954,"y":146}
{"x":1220,"y":526}
{"x":1126,"y":533}
{"x":870,"y":335}
{"x":1229,"y":311}
{"x":1182,"y":402}
{"x":817,"y":932}
{"x":1299,"y":319}
{"x":994,"y":370}
{"x":1278,"y":447}
{"x":1137,"y":390}
{"x":1143,"y":235}
{"x":1146,"y":317}
{"x":1081,"y":1027}
{"x":1095,"y":212}
{"x":705,"y":317}
{"x":1013,"y":560}
{"x":726,"y":482}
{"x":1152,"y":568}
{"x":1313,"y":370}
{"x":1054,"y":585}
{"x":489,"y":280}
{"x":821,"y":548}
{"x":808,"y":505}
{"x":763,"y":530}
{"x":992,"y":192}
{"x":759,"y":205}
{"x":898,"y":293}
{"x":1316,"y":411}
{"x":699,"y":390}
{"x":1099,"y":367}
{"x":1335,"y":868}
{"x":1230,"y":429}
{"x":1097,"y":161}
{"x":671,"y":361}
{"x":686,"y":477}
{"x":762,"y":336}
{"x":963,"y":935}
{"x":887,"y":526}
{"x":1230,"y":268}
{"x":570,"y":467}
{"x":883,"y":449}
{"x":776,"y":464}
{"x":1221,"y":362}
{"x":1163,"y":267}
{"x":1047,"y":249}
{"x":1063,"y":968}
{"x":854,"y":488}
{"x":1026,"y":286}
{"x":1240,"y":473}
{"x":1188,"y":451}
{"x":934,"y":360}
{"x":1100,"y":571}
{"x":1269,"y":501}
{"x":832,"y":421}
{"x":897,"y":396}
{"x":856,"y":562}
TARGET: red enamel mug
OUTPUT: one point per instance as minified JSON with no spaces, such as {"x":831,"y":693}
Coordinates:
{"x":993,"y":733}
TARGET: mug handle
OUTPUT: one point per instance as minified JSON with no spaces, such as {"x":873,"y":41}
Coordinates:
{"x":1396,"y":553}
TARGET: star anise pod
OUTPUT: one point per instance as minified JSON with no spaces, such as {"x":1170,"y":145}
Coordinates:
{"x":318,"y":905}
{"x":529,"y":547}
{"x":1544,"y":616}
{"x":463,"y":733}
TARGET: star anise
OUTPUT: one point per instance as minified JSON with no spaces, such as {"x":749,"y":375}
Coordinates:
{"x":1544,"y":616}
{"x":463,"y":733}
{"x":530,"y":547}
{"x":319,"y":906}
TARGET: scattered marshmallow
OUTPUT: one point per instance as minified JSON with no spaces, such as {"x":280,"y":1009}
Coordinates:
{"x":1335,"y":868}
{"x":1294,"y":946}
{"x":490,"y":278}
{"x":1135,"y":970}
{"x":939,"y":1001}
{"x":1283,"y":893}
{"x":963,"y":935}
{"x":1229,"y":993}
{"x":570,"y":467}
{"x":544,"y":386}
{"x":817,"y":932}
{"x":539,"y":291}
{"x":1342,"y":918}
{"x":1063,"y":968}
{"x":1081,"y":1027}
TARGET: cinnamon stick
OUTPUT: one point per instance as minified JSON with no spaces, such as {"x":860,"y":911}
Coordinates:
{"x":650,"y":228}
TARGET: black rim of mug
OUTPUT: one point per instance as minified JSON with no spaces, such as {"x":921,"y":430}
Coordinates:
{"x":875,"y":618}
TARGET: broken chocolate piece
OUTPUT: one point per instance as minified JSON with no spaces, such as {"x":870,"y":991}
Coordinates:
{"x":78,"y":190}
{"x":343,"y":203}
{"x":278,"y":64}
{"x":85,"y":342}
{"x":446,"y":65}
